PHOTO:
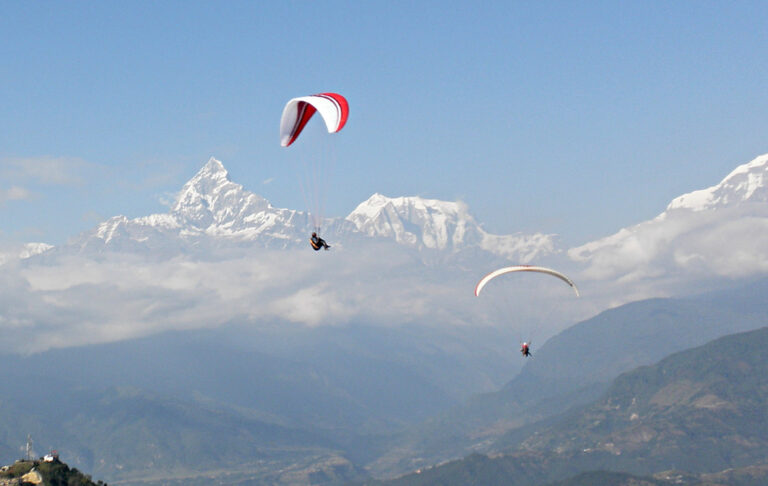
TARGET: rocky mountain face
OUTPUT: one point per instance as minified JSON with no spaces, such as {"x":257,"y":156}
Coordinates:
{"x":212,"y":211}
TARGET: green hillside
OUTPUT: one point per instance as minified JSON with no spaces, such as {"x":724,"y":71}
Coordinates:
{"x":699,"y":410}
{"x":573,"y":369}
{"x":702,"y":410}
{"x":609,"y":478}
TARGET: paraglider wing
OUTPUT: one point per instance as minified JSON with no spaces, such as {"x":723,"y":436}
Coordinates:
{"x":523,"y":268}
{"x":297,"y":112}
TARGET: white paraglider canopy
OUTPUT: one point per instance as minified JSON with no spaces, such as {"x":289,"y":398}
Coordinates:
{"x":523,"y":268}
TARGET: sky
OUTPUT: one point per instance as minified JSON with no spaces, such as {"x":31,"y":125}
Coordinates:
{"x":571,"y":118}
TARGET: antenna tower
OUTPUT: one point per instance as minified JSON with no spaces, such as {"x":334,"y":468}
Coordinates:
{"x":29,"y":447}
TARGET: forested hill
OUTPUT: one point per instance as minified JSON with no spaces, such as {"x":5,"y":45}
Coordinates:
{"x":700,"y":410}
{"x":574,"y":368}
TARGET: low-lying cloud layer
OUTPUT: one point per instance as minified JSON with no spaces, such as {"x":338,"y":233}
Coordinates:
{"x":58,"y":299}
{"x":63,"y":299}
{"x":681,"y":246}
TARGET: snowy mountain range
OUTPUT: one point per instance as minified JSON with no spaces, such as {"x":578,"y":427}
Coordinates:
{"x":440,"y":225}
{"x":718,"y":231}
{"x":210,"y":209}
{"x":747,"y":183}
{"x":23,"y":252}
{"x":721,"y":230}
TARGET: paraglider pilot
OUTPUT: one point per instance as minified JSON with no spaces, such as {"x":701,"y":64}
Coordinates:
{"x":318,"y":242}
{"x":525,"y":349}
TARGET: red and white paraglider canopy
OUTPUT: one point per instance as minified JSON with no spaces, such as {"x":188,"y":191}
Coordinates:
{"x":297,"y":112}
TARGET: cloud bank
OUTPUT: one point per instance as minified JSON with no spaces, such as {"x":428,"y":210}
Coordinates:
{"x":716,"y":233}
{"x":58,"y":299}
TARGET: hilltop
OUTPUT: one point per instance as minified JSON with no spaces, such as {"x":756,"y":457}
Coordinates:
{"x":50,"y":473}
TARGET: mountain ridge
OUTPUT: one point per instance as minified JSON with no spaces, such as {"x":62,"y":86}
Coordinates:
{"x":694,"y":409}
{"x":440,"y":225}
{"x":698,"y":410}
{"x":576,"y":366}
{"x":210,"y":206}
{"x":746,"y":183}
{"x":681,"y":242}
{"x":688,"y":239}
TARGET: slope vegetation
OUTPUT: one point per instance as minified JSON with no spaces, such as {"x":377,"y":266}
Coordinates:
{"x":701,"y":410}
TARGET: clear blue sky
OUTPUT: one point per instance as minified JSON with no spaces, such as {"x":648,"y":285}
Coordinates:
{"x":575,"y":118}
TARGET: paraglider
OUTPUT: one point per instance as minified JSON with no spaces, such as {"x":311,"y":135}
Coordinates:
{"x":334,"y":110}
{"x":316,"y":242}
{"x":523,"y":268}
{"x":525,"y":347}
{"x":297,"y":112}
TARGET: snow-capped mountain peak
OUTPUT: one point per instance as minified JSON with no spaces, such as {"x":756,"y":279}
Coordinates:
{"x":440,"y":225}
{"x":208,"y":205}
{"x":746,"y":183}
{"x":211,"y":209}
{"x":721,"y":230}
{"x":373,"y":205}
{"x":23,"y":252}
{"x":413,"y":220}
{"x":211,"y":198}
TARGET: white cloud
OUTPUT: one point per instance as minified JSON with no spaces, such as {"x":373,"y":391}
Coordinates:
{"x":677,"y":252}
{"x":63,"y":300}
{"x":63,"y":171}
{"x":15,"y":193}
{"x":313,"y":305}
